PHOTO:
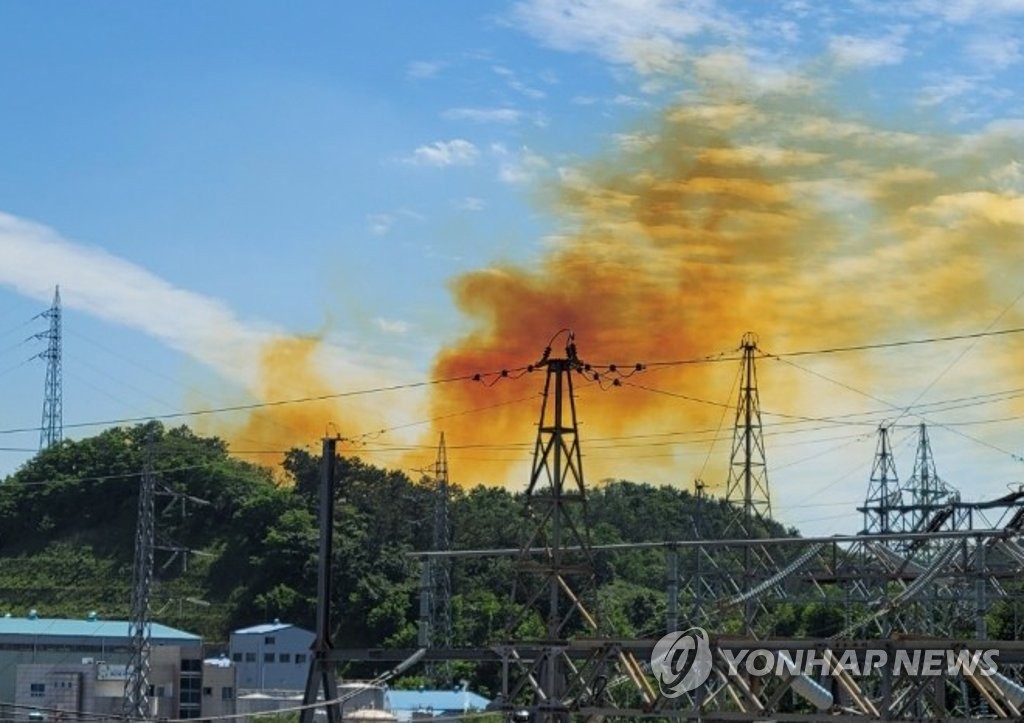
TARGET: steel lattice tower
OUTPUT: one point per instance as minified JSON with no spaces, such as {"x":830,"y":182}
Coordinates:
{"x":747,"y":485}
{"x":926,"y":489}
{"x":440,"y":567}
{"x":556,"y":585}
{"x":136,"y":686}
{"x":881,"y":506}
{"x":52,"y":428}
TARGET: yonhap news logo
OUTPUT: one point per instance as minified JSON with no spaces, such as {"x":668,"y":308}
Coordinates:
{"x":681,"y":661}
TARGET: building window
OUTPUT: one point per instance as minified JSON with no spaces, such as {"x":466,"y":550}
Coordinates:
{"x":192,"y":665}
{"x":300,"y":658}
{"x":250,"y":657}
{"x":37,"y":690}
{"x":227,"y":693}
{"x":237,"y":657}
{"x":207,"y":690}
{"x":284,"y":658}
{"x":269,"y":640}
{"x":268,"y":657}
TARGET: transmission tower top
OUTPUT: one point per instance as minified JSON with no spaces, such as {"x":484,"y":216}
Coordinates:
{"x":882,"y":506}
{"x":52,"y":428}
{"x":747,"y":485}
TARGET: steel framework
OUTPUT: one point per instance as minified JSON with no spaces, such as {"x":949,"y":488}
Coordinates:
{"x":136,"y":686}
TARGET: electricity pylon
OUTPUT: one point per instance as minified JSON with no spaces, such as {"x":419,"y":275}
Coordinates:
{"x":747,"y":486}
{"x":51,"y":430}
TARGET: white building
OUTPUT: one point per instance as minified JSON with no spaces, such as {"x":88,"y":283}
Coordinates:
{"x":273,"y":656}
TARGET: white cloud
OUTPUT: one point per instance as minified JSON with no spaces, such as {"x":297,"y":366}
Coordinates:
{"x":484,"y":115}
{"x":110,"y":288}
{"x":97,"y":283}
{"x":645,"y":34}
{"x":966,"y":11}
{"x":948,"y":88}
{"x":853,"y":51}
{"x":517,"y":167}
{"x":471,"y":203}
{"x":424,"y":69}
{"x":514,"y":83}
{"x":995,"y":51}
{"x":457,"y":152}
{"x":380,"y":223}
{"x":635,"y":142}
{"x":391,"y":326}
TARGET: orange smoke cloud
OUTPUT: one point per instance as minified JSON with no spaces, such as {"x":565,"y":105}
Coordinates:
{"x":758,"y":213}
{"x":293,"y":368}
{"x":808,"y":229}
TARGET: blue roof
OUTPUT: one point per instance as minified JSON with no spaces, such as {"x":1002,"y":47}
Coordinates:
{"x":435,"y":700}
{"x":63,"y":627}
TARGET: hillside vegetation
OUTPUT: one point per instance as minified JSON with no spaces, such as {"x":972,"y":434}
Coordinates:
{"x":67,"y":528}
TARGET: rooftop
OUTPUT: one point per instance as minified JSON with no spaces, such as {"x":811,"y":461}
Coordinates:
{"x":265,"y":628}
{"x":64,"y":627}
{"x":435,"y":700}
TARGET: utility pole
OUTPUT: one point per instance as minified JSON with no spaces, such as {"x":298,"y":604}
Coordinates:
{"x":321,"y":677}
{"x":747,"y":486}
{"x":52,"y":428}
{"x":136,"y":686}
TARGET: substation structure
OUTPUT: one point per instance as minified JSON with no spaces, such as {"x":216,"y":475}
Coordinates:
{"x":918,"y":581}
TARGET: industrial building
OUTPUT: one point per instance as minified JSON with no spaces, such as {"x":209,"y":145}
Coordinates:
{"x":273,"y":656}
{"x":81,"y":666}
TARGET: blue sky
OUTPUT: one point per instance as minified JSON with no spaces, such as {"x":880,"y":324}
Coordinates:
{"x":202,"y":178}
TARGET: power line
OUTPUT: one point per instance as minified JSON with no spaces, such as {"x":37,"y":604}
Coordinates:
{"x":477,"y":377}
{"x":610,"y":371}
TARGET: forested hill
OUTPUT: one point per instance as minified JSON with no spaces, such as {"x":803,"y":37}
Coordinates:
{"x":67,"y":528}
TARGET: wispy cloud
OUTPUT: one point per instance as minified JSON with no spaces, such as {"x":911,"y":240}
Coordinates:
{"x":520,"y":166}
{"x":862,"y":51}
{"x":995,"y":51}
{"x":424,"y":69}
{"x":391,"y":326}
{"x":648,"y":35}
{"x":471,"y":203}
{"x":115,"y":290}
{"x":110,"y":288}
{"x":457,"y":152}
{"x":484,"y":115}
{"x":946,"y":89}
{"x":966,"y":11}
{"x":514,"y":83}
{"x":380,"y":223}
